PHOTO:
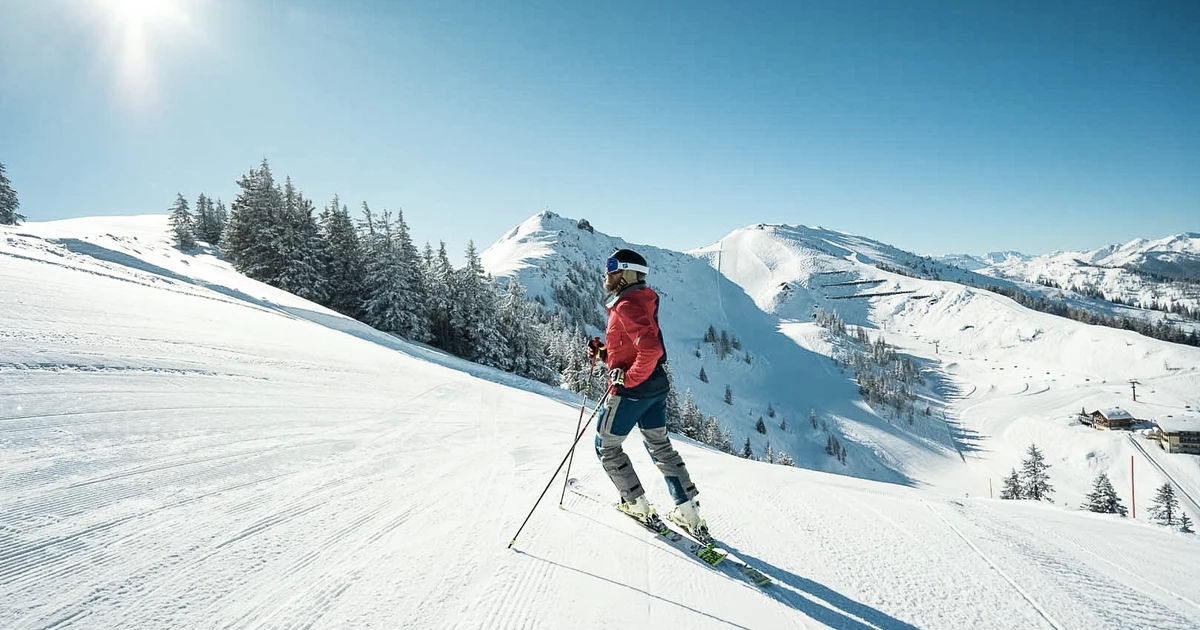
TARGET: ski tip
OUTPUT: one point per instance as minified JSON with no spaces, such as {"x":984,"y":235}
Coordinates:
{"x":511,"y":543}
{"x":561,"y":507}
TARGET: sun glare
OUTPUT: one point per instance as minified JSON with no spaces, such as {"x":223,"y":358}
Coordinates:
{"x":132,"y":28}
{"x":139,"y":12}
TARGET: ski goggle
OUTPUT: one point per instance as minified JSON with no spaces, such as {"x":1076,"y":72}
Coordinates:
{"x":612,"y":265}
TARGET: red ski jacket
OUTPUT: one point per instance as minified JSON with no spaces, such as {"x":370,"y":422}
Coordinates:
{"x":635,"y":343}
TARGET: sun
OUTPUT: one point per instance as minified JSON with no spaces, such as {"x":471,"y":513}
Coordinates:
{"x":134,"y":32}
{"x":139,"y":12}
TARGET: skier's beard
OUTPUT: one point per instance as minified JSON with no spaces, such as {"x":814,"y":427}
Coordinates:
{"x":614,"y":282}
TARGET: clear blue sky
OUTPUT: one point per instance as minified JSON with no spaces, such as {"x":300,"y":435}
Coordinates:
{"x":938,"y":127}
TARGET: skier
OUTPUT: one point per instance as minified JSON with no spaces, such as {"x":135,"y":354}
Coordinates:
{"x":638,"y":395}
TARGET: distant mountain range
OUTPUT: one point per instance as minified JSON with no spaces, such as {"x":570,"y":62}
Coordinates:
{"x":1161,"y":274}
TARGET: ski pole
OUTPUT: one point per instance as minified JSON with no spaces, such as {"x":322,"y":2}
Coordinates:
{"x":556,"y":471}
{"x":578,"y":425}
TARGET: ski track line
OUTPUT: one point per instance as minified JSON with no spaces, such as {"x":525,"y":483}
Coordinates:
{"x":1135,"y":577}
{"x":257,"y":528}
{"x":149,"y":603}
{"x":140,"y":411}
{"x":1045,"y":615}
{"x":323,"y":599}
{"x":313,"y":595}
{"x":180,"y":569}
{"x":509,"y":610}
{"x":111,"y":369}
{"x":42,"y":503}
{"x":303,"y":438}
{"x":73,"y":546}
{"x":1153,"y":462}
{"x":1078,"y":585}
{"x":123,"y":451}
{"x":70,"y":548}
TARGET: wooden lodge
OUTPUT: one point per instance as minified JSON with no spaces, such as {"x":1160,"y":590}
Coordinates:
{"x":1110,"y":419}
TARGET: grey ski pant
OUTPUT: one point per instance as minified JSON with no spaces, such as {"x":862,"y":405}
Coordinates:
{"x":649,"y":415}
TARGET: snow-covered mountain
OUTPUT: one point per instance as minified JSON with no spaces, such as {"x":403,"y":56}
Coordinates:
{"x":1144,"y":273}
{"x":975,"y":263}
{"x":986,"y":356}
{"x":181,"y":446}
{"x":558,"y":260}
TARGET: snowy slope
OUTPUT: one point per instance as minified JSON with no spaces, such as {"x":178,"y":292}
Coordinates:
{"x":181,"y":447}
{"x":1007,"y":376}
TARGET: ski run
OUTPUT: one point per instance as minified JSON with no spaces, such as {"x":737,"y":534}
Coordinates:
{"x":182,"y":447}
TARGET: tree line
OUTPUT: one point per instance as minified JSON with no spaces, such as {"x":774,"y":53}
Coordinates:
{"x":371,"y":270}
{"x":1174,"y":307}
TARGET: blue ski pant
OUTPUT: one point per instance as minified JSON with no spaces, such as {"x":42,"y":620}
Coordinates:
{"x":617,"y":420}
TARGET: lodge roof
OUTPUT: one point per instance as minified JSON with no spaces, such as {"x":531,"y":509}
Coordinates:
{"x":1115,"y":413}
{"x":1178,"y":424}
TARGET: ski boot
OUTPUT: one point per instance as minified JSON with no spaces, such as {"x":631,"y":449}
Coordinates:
{"x":640,"y":510}
{"x":687,"y":516}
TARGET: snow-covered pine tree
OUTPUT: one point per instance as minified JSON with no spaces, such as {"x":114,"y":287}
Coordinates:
{"x":418,"y":326}
{"x":1165,"y":507}
{"x":439,"y":276}
{"x":209,"y":220}
{"x":842,"y":454}
{"x":727,"y":441}
{"x":723,"y":346}
{"x":1035,"y":482}
{"x":783,"y":424}
{"x":1011,"y":488}
{"x":760,"y":426}
{"x":473,"y":313}
{"x":343,"y":260}
{"x":251,"y":234}
{"x":9,"y":203}
{"x":182,"y":230}
{"x":747,"y":452}
{"x":812,"y":417}
{"x":674,"y":410}
{"x":200,"y":217}
{"x":769,"y":457}
{"x":710,"y":336}
{"x":220,"y":217}
{"x":712,"y":432}
{"x":784,"y":459}
{"x":770,"y":410}
{"x":1103,"y":497}
{"x":703,"y":376}
{"x":728,"y":395}
{"x":1185,"y":523}
{"x":524,"y":335}
{"x":301,"y":268}
{"x":693,"y":420}
{"x":395,"y":295}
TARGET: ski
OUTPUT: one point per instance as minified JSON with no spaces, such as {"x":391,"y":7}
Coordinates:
{"x":712,"y":550}
{"x":710,"y":554}
{"x":655,"y":526}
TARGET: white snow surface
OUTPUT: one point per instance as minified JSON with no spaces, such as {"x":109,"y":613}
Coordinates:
{"x":182,"y":447}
